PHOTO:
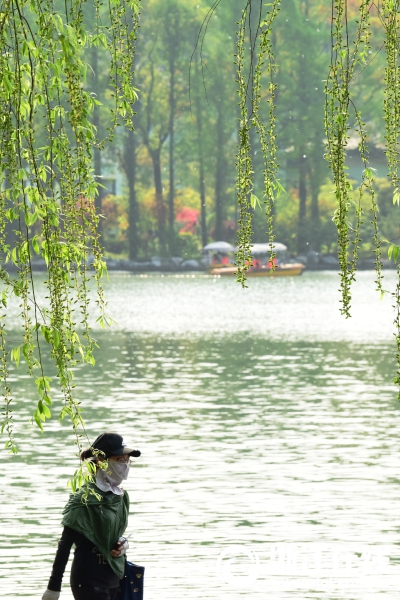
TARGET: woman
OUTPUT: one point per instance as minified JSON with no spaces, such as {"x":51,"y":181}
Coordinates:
{"x":95,"y":526}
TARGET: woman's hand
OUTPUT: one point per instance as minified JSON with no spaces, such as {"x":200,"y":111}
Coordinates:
{"x":51,"y":595}
{"x":115,"y":553}
{"x":122,"y":547}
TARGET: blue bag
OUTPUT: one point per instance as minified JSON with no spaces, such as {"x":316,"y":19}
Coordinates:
{"x":131,"y":585}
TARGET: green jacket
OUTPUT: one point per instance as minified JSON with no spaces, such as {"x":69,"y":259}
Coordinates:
{"x":100,"y":521}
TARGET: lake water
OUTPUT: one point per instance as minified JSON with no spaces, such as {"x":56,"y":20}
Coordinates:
{"x":268,"y":425}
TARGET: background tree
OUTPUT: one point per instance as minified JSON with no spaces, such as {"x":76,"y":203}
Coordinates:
{"x":300,"y":111}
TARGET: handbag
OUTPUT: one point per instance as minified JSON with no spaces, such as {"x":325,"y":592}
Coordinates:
{"x":131,"y":585}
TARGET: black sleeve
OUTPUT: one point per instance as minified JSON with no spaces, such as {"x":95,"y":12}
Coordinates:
{"x":61,"y":559}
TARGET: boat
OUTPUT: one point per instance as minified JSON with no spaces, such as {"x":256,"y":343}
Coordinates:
{"x":218,"y":254}
{"x":283,"y":270}
{"x":261,"y":263}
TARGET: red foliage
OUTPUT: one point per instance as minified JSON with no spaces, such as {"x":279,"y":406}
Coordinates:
{"x":190,"y":218}
{"x":84,"y":204}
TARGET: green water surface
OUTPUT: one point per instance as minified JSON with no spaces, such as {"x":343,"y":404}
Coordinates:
{"x":265,"y":420}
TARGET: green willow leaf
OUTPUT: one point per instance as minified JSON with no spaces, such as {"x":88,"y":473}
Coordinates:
{"x":56,"y":338}
{"x":16,"y":354}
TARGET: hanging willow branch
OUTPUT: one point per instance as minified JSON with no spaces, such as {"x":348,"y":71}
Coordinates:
{"x":337,"y":111}
{"x":250,"y":77}
{"x":390,"y":20}
{"x":346,"y":54}
{"x":341,"y":115}
{"x":47,"y":186}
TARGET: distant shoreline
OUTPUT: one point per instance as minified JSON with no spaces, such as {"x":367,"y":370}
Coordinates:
{"x":167,"y":266}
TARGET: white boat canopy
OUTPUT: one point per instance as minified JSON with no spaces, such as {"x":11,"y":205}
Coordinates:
{"x":219,"y":247}
{"x":266,"y":248}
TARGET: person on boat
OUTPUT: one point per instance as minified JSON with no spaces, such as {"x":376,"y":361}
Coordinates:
{"x":95,"y":526}
{"x":269,"y":263}
{"x":225,"y":259}
{"x":256,"y":263}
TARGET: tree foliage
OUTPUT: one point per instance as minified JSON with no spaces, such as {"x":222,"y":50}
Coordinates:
{"x":48,"y":189}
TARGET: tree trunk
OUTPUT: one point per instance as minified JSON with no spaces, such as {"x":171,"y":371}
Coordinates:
{"x":130,"y":171}
{"x":220,"y":171}
{"x":314,"y":206}
{"x":201,"y":163}
{"x":160,"y":208}
{"x":316,"y":177}
{"x":171,"y":192}
{"x":302,"y":234}
{"x":303,"y":166}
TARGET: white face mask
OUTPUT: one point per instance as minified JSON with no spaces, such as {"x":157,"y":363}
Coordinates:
{"x":119,"y":471}
{"x":111,"y":479}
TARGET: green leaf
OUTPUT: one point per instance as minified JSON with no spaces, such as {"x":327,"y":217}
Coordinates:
{"x":46,"y":398}
{"x":11,"y":214}
{"x":43,"y":385}
{"x":36,"y":416}
{"x":71,"y":485}
{"x":396,"y":196}
{"x":35,"y":244}
{"x":24,"y":48}
{"x":368,"y":172}
{"x":42,"y":173}
{"x":101,"y":322}
{"x":44,"y":409}
{"x":46,"y":332}
{"x":90,"y":359}
{"x":65,"y":276}
{"x":7,"y":83}
{"x":17,"y":289}
{"x":393,"y":252}
{"x":14,"y":255}
{"x":56,"y":338}
{"x":279,"y":188}
{"x":103,"y":40}
{"x":30,"y":218}
{"x":340,"y":119}
{"x":66,"y":410}
{"x":16,"y":354}
{"x":254,"y":201}
{"x":25,"y":351}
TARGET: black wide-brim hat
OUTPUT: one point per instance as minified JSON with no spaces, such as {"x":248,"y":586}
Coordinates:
{"x":112,"y":444}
